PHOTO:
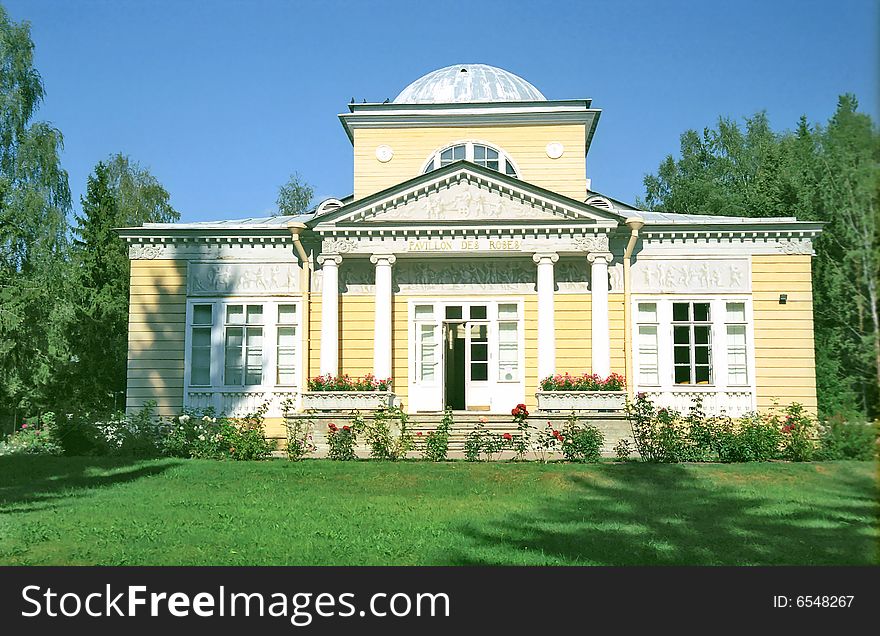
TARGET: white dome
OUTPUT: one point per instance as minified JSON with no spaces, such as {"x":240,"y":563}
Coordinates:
{"x":469,"y":83}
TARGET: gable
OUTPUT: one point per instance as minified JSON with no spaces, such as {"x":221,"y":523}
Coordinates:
{"x":465,"y":193}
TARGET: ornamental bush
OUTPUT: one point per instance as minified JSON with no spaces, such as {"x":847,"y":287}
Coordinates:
{"x":202,"y":435}
{"x":388,"y":434}
{"x":345,"y":382}
{"x":341,"y":442}
{"x":437,"y":441}
{"x":35,"y":437}
{"x":843,"y":439}
{"x":581,"y":442}
{"x":300,"y":437}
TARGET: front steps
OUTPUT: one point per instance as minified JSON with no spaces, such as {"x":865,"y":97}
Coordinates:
{"x":614,"y":425}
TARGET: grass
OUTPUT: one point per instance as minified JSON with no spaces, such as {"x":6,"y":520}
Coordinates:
{"x":113,"y":511}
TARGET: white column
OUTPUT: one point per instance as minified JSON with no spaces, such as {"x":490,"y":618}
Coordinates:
{"x":382,"y":329}
{"x":600,"y":336}
{"x":546,"y":327}
{"x":330,"y":313}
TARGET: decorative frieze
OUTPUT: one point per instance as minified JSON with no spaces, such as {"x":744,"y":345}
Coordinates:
{"x":594,"y":243}
{"x":788,"y":246}
{"x":146,"y":251}
{"x":209,"y":279}
{"x":681,"y":275}
{"x":464,"y":201}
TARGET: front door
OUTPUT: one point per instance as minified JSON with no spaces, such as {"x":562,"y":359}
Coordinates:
{"x":466,"y":355}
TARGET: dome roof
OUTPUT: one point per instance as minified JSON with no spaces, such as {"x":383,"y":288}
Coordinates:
{"x":469,"y":83}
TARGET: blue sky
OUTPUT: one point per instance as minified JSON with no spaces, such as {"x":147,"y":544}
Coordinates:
{"x":222,"y":100}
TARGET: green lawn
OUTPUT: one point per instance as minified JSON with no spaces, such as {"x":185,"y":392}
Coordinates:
{"x":112,"y":511}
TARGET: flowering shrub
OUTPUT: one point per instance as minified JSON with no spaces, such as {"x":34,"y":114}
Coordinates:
{"x":546,"y":442}
{"x":664,"y":435}
{"x":623,"y":449}
{"x":35,"y":437}
{"x":585,"y":382}
{"x":341,"y":442}
{"x":300,"y":438}
{"x":581,"y":443}
{"x":798,"y":433}
{"x":345,"y":382}
{"x":205,"y":436}
{"x":388,"y":435}
{"x":437,"y":441}
{"x":520,"y":443}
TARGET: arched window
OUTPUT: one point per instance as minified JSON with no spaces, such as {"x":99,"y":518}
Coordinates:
{"x":480,"y":154}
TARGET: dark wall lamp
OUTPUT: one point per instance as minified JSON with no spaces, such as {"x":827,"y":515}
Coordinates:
{"x":783,"y":299}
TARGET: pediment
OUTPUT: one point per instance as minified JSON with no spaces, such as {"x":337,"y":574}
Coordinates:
{"x":466,"y":196}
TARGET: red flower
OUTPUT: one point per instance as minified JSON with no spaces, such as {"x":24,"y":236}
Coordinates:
{"x":346,"y":428}
{"x":419,"y":434}
{"x":507,"y":436}
{"x":332,"y":427}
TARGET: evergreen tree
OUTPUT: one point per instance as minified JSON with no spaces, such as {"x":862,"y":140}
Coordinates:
{"x":119,"y":194}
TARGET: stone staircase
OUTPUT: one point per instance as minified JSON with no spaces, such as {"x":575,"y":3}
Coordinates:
{"x":614,"y":426}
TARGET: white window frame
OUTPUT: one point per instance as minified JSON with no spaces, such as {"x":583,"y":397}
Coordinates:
{"x":718,"y":340}
{"x":433,"y":161}
{"x":269,"y":350}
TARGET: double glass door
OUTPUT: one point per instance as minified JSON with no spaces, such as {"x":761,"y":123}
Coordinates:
{"x":467,"y":356}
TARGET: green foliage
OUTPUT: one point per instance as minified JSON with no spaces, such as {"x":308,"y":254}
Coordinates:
{"x":623,"y":449}
{"x":201,"y":435}
{"x":842,"y":439}
{"x":437,"y":441}
{"x":294,"y":196}
{"x":34,"y":202}
{"x":300,"y":436}
{"x":581,"y":442}
{"x":35,"y":437}
{"x":388,"y":434}
{"x":119,"y":194}
{"x":341,"y":442}
{"x":664,"y":435}
{"x":798,"y":434}
{"x":820,"y":173}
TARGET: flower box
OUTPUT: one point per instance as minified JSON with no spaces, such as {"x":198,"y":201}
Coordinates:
{"x":565,"y":401}
{"x":347,"y":400}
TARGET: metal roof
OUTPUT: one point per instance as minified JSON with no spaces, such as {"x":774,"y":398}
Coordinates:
{"x":469,"y":83}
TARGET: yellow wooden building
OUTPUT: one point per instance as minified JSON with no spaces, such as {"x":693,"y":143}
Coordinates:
{"x":472,"y":259}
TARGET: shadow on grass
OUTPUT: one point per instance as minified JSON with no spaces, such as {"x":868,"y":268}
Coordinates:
{"x":33,"y":482}
{"x":642,"y":514}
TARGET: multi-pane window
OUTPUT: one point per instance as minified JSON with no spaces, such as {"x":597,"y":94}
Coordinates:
{"x":737,"y":366}
{"x":200,"y":356}
{"x":508,"y":343}
{"x":427,"y":332}
{"x":692,"y":342}
{"x":479,"y":343}
{"x":648,"y":345}
{"x":243,"y":345}
{"x":480,"y":154}
{"x":285,"y":349}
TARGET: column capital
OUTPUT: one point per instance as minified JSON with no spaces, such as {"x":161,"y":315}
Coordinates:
{"x":602,"y":257}
{"x":336,"y":259}
{"x":544,"y":257}
{"x":388,"y":259}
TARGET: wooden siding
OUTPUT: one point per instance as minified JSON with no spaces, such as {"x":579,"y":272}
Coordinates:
{"x":156,"y":332}
{"x":785,"y":364}
{"x":526,"y":146}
